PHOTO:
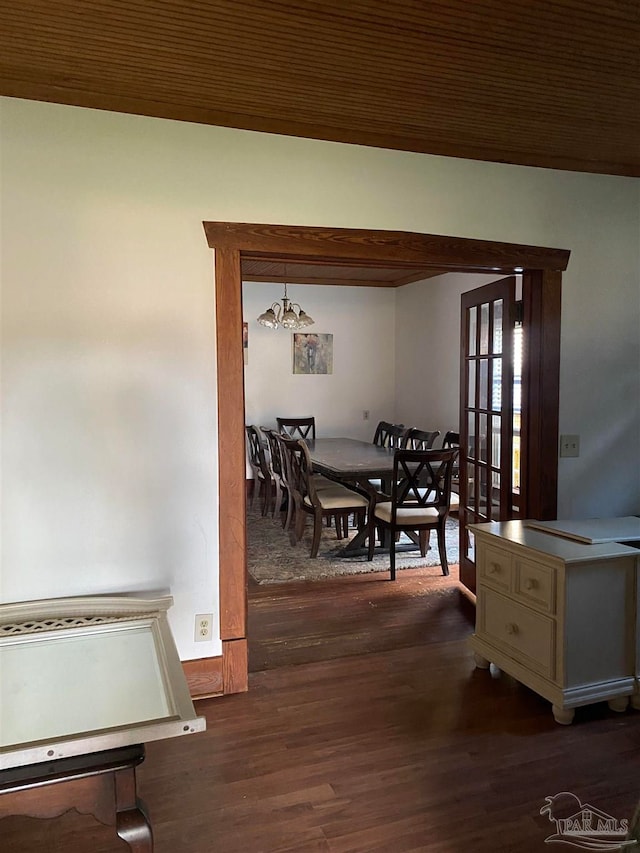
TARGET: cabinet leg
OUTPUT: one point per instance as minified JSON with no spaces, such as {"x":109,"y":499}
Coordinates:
{"x":619,"y":704}
{"x":480,"y":661}
{"x":563,"y":716}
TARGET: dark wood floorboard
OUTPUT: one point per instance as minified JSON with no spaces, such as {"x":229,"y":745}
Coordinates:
{"x":366,"y":729}
{"x":302,"y":622}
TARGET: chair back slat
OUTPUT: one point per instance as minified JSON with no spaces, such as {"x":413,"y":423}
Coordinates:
{"x":293,"y":464}
{"x":257,"y":456}
{"x":274,"y":451}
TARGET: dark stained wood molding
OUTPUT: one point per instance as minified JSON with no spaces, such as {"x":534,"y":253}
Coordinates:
{"x":221,"y":675}
{"x":336,"y":282}
{"x":541,"y":290}
{"x":542,"y":298}
{"x":398,"y":247}
{"x":231,"y":449}
{"x":204,"y":677}
{"x":422,"y":275}
{"x":235,"y":666}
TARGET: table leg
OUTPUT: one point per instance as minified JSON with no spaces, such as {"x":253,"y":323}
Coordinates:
{"x":358,"y":544}
{"x":132,"y":823}
{"x":133,"y":827}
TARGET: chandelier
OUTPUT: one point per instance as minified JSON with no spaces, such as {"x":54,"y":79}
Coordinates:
{"x":289,"y":315}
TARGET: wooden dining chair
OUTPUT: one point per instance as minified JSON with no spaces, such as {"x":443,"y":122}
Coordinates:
{"x":420,"y":496}
{"x":451,"y":439}
{"x":289,"y":479}
{"x":297,"y":427}
{"x":420,"y":439}
{"x":393,"y":436}
{"x":329,"y":500}
{"x":390,"y":435}
{"x":262,"y":480}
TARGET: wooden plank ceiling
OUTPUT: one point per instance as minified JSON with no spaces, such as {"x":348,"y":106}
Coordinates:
{"x":550,"y":84}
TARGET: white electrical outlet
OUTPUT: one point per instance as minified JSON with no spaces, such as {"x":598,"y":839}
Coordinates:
{"x":569,"y":445}
{"x":204,"y":622}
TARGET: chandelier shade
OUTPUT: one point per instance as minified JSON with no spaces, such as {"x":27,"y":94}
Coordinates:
{"x":287,"y":314}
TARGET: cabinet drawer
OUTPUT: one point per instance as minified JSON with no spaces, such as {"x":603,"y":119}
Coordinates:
{"x":526,"y":635}
{"x":535,"y":584}
{"x":494,"y":567}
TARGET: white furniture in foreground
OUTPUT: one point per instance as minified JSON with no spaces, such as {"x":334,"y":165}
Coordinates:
{"x":559,"y":615}
{"x":84,"y":684}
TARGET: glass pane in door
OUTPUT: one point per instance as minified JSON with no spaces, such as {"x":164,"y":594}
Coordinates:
{"x":484,"y":329}
{"x":483,"y":390}
{"x":472,"y":330}
{"x":497,"y":326}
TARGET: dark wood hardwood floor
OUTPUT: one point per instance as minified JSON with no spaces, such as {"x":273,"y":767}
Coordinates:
{"x":366,"y":729}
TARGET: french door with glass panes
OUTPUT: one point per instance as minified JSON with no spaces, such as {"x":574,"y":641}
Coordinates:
{"x":486,"y":412}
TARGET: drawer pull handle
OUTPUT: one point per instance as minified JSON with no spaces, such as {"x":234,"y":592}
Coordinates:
{"x":494,"y":568}
{"x":512,"y":628}
{"x":531,"y":583}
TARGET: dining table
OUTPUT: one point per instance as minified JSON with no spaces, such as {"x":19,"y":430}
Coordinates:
{"x":353,"y":462}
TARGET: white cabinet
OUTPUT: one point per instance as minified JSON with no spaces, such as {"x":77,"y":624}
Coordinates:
{"x":558,"y":615}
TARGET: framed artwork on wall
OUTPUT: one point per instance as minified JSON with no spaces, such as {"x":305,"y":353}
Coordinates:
{"x":312,"y":353}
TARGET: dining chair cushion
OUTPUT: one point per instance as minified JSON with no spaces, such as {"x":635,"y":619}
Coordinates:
{"x":404,"y":516}
{"x":339,"y":498}
{"x":322,"y":482}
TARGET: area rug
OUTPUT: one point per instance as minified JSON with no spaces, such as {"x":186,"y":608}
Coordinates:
{"x":272,"y":559}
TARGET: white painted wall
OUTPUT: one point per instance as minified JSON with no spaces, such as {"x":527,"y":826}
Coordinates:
{"x":109,"y":441}
{"x":428,"y":348}
{"x":109,"y":432}
{"x":362,"y":322}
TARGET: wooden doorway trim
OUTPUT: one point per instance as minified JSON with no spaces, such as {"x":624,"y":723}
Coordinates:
{"x":397,"y":248}
{"x":541,"y":297}
{"x":232,"y":241}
